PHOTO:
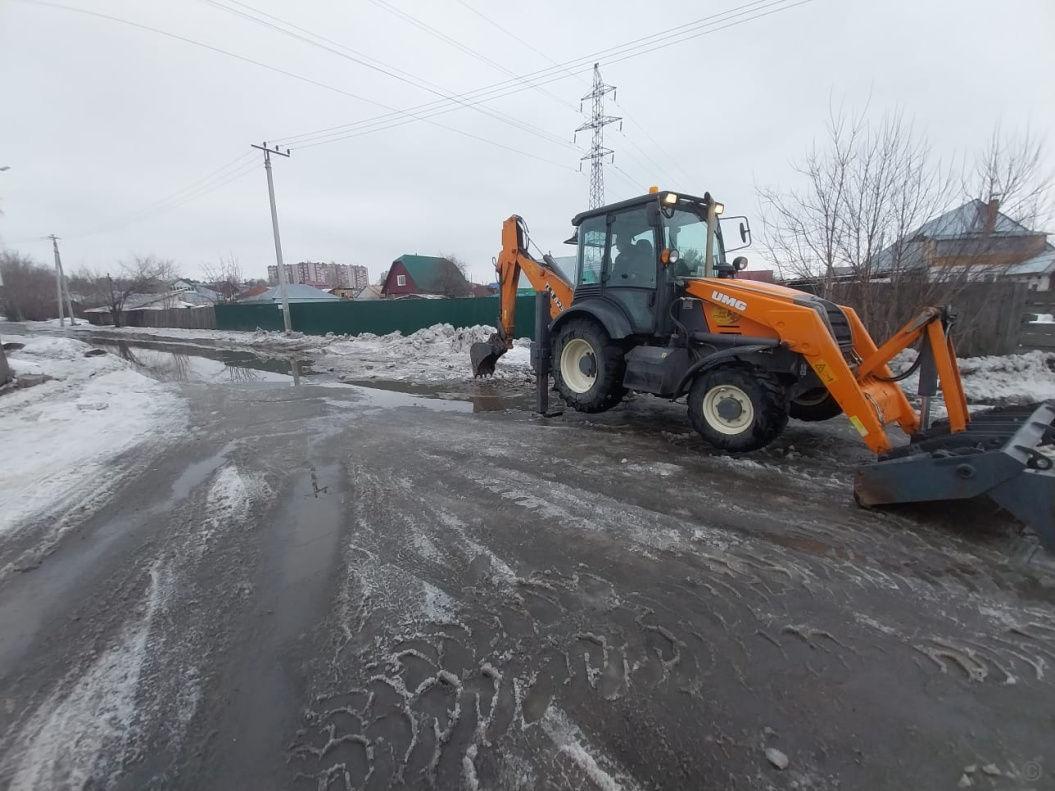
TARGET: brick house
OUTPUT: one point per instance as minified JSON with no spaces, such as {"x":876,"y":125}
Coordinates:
{"x":975,"y":240}
{"x":425,"y":274}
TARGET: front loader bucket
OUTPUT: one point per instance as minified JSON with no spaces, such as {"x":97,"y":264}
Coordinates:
{"x":484,"y":355}
{"x":999,"y":455}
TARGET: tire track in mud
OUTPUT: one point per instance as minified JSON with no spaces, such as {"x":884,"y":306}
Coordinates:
{"x":452,"y":662}
{"x":141,"y":655}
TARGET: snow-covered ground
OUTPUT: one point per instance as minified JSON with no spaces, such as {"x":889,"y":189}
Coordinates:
{"x":59,"y":439}
{"x":434,"y":354}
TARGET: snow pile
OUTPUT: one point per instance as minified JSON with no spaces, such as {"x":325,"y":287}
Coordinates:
{"x":1014,"y":379}
{"x":995,"y":381}
{"x":60,"y":438}
{"x":436,"y":353}
{"x":433,"y":354}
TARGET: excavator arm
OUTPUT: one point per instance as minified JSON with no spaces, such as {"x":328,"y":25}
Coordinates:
{"x":543,"y":276}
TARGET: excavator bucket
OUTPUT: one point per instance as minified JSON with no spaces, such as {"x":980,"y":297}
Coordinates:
{"x":1005,"y":454}
{"x":485,"y":354}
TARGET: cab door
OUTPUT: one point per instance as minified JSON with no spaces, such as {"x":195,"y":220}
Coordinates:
{"x":631,"y":264}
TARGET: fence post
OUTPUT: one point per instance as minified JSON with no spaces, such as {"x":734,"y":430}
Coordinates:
{"x":1013,"y":319}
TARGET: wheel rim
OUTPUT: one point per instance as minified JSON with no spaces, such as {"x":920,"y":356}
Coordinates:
{"x":576,"y":355}
{"x":719,"y":404}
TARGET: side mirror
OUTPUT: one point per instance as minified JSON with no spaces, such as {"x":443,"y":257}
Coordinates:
{"x":740,"y":262}
{"x":743,"y":231}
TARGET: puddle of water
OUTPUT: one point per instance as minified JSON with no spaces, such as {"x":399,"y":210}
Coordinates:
{"x":173,"y":363}
{"x":196,"y":473}
{"x":483,"y":398}
{"x":380,"y":398}
{"x":169,"y":363}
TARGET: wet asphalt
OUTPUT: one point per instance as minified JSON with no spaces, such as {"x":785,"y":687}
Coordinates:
{"x":330,"y":587}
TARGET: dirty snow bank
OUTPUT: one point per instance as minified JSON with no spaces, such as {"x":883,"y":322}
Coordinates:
{"x":60,"y":438}
{"x":996,"y":381}
{"x":436,"y":353}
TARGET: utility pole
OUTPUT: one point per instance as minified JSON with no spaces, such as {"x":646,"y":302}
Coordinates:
{"x":58,"y":278}
{"x":598,"y":121}
{"x":274,"y":224}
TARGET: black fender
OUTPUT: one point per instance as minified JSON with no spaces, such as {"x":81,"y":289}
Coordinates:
{"x":717,"y":358}
{"x":609,"y":315}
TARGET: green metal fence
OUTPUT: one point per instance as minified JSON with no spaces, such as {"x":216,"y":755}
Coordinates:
{"x":379,"y":317}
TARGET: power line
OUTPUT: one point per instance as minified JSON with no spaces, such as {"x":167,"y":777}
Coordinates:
{"x":288,"y":74}
{"x":463,"y":48}
{"x":547,"y":57}
{"x":634,"y":48}
{"x":359,"y":58}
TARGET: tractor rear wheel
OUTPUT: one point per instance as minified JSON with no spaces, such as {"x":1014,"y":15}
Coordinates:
{"x":588,"y":366}
{"x":815,"y":405}
{"x":737,"y":407}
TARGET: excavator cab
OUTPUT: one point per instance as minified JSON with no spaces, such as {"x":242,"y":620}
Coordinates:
{"x":633,"y":254}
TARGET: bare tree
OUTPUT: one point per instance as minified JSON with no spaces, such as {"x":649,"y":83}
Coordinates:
{"x":141,"y":275}
{"x":224,"y":277}
{"x":853,"y":230}
{"x":451,"y":280}
{"x":1011,"y":169}
{"x":29,"y":288}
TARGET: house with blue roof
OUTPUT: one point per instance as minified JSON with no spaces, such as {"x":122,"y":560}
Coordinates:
{"x":976,"y":240}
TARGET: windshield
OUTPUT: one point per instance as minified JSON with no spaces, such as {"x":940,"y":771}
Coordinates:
{"x":686,"y":232}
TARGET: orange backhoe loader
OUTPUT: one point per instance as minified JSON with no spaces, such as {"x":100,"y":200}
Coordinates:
{"x":651,"y":305}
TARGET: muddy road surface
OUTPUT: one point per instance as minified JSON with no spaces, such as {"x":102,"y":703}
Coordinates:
{"x":334,"y":587}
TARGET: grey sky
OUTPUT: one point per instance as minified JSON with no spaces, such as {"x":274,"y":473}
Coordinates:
{"x":102,"y":120}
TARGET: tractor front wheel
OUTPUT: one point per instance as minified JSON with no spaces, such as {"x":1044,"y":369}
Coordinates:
{"x":738,"y":408}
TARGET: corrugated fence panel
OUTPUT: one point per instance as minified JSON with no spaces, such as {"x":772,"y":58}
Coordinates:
{"x":248,"y":317}
{"x":379,"y":317}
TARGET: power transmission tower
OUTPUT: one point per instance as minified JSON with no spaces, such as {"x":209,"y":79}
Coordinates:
{"x":282,"y":290}
{"x":62,"y":287}
{"x":598,"y":121}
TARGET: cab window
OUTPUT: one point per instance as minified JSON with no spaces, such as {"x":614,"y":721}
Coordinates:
{"x":592,"y":235}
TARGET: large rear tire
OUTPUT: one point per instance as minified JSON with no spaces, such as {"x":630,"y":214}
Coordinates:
{"x":737,"y":407}
{"x":588,"y":366}
{"x":814,"y":406}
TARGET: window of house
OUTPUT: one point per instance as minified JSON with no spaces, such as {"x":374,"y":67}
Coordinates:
{"x":401,"y":280}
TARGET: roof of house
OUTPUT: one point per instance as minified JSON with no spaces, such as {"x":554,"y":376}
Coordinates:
{"x":368,"y":292}
{"x":963,"y":221}
{"x":295,"y":292}
{"x":253,"y":292}
{"x":167,"y":301}
{"x":1041,"y":264}
{"x":967,"y":219}
{"x":428,"y":271}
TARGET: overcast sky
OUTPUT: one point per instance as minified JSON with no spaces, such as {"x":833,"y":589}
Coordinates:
{"x":101,"y":122}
